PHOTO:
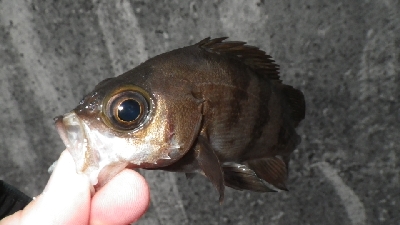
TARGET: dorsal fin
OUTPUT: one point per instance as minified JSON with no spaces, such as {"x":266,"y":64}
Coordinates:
{"x":295,"y":99}
{"x":251,"y":56}
{"x":262,"y":64}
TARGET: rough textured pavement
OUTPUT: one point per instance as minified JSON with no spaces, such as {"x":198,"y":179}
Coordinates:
{"x":344,"y":56}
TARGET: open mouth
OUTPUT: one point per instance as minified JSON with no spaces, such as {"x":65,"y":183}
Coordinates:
{"x":78,"y":138}
{"x":92,"y":152}
{"x":70,"y":130}
{"x":72,"y":133}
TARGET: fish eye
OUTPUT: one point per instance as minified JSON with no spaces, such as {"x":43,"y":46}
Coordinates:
{"x":127,"y":110}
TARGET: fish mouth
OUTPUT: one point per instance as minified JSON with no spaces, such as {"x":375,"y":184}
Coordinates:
{"x":88,"y":151}
{"x":62,"y":130}
{"x":72,"y":132}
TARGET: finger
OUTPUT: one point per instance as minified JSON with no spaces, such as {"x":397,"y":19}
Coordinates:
{"x":65,"y":200}
{"x":122,"y":200}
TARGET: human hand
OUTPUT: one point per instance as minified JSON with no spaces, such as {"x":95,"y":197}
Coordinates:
{"x":67,"y":199}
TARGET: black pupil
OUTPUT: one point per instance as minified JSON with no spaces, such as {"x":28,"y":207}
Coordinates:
{"x":129,"y":110}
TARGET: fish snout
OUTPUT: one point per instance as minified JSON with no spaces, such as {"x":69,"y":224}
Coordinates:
{"x":61,"y":129}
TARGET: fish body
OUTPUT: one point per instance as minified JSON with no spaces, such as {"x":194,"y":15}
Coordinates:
{"x":216,"y":107}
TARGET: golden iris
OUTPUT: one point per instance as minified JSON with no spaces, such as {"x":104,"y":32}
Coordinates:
{"x":126,"y":108}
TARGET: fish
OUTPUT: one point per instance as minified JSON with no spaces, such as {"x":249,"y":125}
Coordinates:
{"x":217,"y":108}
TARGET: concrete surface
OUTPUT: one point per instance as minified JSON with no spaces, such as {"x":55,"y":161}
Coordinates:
{"x":344,"y":56}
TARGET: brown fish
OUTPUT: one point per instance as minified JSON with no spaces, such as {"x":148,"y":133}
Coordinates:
{"x":217,"y":108}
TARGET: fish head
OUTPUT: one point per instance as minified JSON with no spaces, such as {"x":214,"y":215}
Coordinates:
{"x":124,"y":122}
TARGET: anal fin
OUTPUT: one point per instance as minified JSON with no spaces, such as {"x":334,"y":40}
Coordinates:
{"x":209,"y":164}
{"x":273,"y":170}
{"x":240,"y":177}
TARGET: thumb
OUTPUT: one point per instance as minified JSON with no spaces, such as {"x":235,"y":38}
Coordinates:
{"x":65,"y":200}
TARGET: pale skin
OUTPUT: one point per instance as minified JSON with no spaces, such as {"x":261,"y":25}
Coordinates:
{"x":67,"y":199}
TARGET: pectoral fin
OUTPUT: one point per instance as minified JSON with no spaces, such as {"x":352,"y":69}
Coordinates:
{"x":209,"y":164}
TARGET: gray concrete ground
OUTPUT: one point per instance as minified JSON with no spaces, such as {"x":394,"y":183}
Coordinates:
{"x":344,"y":56}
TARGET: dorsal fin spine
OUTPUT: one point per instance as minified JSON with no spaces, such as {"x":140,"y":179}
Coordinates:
{"x":251,"y":56}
